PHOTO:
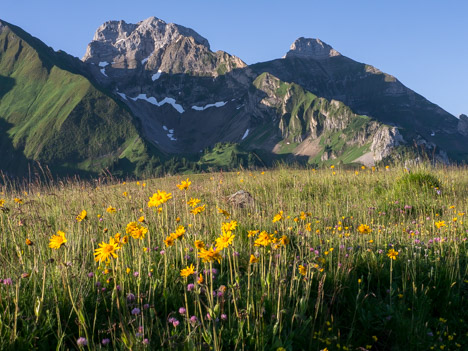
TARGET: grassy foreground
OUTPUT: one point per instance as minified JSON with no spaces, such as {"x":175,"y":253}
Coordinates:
{"x":333,"y":259}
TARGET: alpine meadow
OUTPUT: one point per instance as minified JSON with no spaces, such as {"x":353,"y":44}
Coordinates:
{"x":161,"y":194}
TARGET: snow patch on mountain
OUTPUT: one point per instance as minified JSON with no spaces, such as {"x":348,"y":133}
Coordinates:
{"x":216,"y":104}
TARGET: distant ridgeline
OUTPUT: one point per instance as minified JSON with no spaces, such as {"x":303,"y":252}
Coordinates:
{"x":152,"y":98}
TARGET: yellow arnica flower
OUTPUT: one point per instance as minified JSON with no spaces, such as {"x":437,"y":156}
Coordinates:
{"x":364,"y":229}
{"x":228,"y":227}
{"x":141,"y":219}
{"x":56,"y":241}
{"x":18,"y":201}
{"x":136,"y":230}
{"x":169,"y":241}
{"x":199,"y":244}
{"x":200,"y":280}
{"x":159,"y":198}
{"x":193,"y":202}
{"x":392,"y":254}
{"x":82,"y":216}
{"x":224,"y":241}
{"x":224,"y":212}
{"x":209,"y":255}
{"x":111,"y":209}
{"x":29,"y":242}
{"x":179,"y":233}
{"x":440,"y":224}
{"x":284,"y":240}
{"x":198,"y":210}
{"x":264,"y":239}
{"x":251,"y":233}
{"x":186,"y":272}
{"x":184,"y":185}
{"x":106,"y":251}
{"x":139,"y":233}
{"x":302,"y":269}
{"x":253,"y":259}
{"x":278,"y":217}
{"x":2,"y":202}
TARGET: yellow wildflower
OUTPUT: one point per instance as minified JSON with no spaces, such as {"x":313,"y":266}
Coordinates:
{"x":169,"y":241}
{"x":56,"y":241}
{"x":224,"y":241}
{"x":106,"y":251}
{"x":278,"y":217}
{"x":302,"y":270}
{"x":111,"y":209}
{"x":440,"y":224}
{"x":186,"y":272}
{"x":364,"y":229}
{"x":198,"y":210}
{"x":392,"y":254}
{"x":224,"y":212}
{"x":253,"y":259}
{"x":209,"y":255}
{"x":184,"y":185}
{"x":159,"y":198}
{"x":264,"y":239}
{"x":228,"y":227}
{"x":193,"y":202}
{"x":82,"y":216}
{"x":199,"y":244}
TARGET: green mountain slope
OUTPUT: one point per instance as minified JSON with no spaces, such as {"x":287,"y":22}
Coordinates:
{"x":52,"y":114}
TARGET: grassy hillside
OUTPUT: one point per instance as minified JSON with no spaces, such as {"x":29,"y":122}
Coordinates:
{"x":313,"y":263}
{"x":53,"y":115}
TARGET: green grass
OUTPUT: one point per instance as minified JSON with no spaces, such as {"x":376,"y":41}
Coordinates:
{"x":350,"y":294}
{"x":53,"y":115}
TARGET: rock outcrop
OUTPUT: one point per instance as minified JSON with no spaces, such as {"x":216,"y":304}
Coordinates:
{"x":156,"y":46}
{"x":311,"y":48}
{"x":462,"y":126}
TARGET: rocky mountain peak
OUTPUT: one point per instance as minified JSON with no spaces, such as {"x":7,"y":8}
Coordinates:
{"x":311,"y":48}
{"x":128,"y":43}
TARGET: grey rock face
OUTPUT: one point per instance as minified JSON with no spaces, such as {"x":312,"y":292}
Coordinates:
{"x":241,"y":199}
{"x":127,"y":43}
{"x":384,"y":141}
{"x":463,"y":125}
{"x":311,"y":48}
{"x":154,"y":45}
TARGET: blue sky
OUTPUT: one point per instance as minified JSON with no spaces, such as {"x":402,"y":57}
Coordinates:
{"x":423,"y":43}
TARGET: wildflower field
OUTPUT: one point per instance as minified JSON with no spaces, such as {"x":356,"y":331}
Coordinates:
{"x":329,"y":259}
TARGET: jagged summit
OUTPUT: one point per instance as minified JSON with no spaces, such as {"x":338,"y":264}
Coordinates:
{"x":121,"y":41}
{"x":311,"y":48}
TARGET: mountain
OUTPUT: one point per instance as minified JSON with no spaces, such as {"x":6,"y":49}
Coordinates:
{"x":153,"y":94}
{"x":51,"y":113}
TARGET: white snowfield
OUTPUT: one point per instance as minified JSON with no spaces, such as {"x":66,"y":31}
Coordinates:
{"x":216,"y":104}
{"x":170,"y":133}
{"x":245,"y":134}
{"x":166,"y":100}
{"x":122,"y":95}
{"x":103,"y":64}
{"x":156,"y":75}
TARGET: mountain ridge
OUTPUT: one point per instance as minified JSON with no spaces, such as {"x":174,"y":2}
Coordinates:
{"x":180,"y":99}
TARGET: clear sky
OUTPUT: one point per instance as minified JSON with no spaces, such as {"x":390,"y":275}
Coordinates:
{"x":423,"y":43}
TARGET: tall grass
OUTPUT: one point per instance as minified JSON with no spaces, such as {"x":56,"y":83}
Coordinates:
{"x":325,"y":285}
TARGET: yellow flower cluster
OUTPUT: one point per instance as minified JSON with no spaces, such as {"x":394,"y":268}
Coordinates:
{"x":159,"y":198}
{"x":184,"y":185}
{"x":136,"y":230}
